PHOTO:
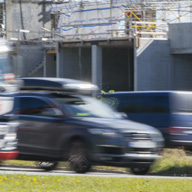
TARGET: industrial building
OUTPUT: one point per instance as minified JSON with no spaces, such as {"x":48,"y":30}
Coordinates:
{"x":121,"y":44}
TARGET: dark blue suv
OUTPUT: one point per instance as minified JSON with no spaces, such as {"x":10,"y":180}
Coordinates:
{"x":59,"y":124}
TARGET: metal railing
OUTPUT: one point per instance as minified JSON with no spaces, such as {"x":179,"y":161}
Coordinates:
{"x":153,"y":30}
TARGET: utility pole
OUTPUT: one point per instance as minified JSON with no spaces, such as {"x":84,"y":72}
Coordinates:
{"x":190,"y":11}
{"x":111,"y":6}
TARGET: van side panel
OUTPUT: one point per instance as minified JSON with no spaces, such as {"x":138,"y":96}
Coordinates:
{"x":169,"y":112}
{"x":145,"y":108}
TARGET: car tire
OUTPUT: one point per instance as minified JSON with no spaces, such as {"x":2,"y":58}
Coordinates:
{"x":48,"y":165}
{"x":79,"y":160}
{"x":140,"y":171}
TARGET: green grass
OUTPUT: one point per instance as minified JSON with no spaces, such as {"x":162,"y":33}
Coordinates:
{"x":26,"y":183}
{"x":173,"y":162}
{"x":19,"y":163}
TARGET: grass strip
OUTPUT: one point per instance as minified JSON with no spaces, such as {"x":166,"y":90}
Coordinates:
{"x":26,"y":183}
{"x":173,"y":161}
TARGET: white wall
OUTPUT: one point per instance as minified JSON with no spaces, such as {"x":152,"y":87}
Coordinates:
{"x":180,"y":38}
{"x":28,"y":15}
{"x":159,"y":69}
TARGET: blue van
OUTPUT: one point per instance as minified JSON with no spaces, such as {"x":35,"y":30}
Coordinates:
{"x":168,"y":111}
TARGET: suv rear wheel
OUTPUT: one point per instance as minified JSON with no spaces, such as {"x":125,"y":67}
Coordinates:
{"x":79,"y":157}
{"x":48,"y":165}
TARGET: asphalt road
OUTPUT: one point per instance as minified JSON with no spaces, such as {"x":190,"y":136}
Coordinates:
{"x":37,"y":171}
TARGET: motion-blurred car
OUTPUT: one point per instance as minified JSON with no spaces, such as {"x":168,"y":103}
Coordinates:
{"x":168,"y":111}
{"x":8,"y":127}
{"x":59,"y":124}
{"x":8,"y":85}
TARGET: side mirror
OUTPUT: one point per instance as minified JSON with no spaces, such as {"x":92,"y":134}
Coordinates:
{"x":57,"y":112}
{"x":52,"y":112}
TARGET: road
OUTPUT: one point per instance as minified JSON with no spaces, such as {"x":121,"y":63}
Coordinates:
{"x":36,"y":171}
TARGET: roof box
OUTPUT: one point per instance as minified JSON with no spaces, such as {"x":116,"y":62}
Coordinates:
{"x":56,"y":84}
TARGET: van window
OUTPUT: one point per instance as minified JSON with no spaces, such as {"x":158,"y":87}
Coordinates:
{"x":139,"y":103}
{"x":182,"y":103}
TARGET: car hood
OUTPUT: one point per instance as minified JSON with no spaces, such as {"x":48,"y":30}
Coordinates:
{"x":122,"y":125}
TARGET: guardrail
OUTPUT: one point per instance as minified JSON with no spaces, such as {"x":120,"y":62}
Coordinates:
{"x":154,"y":30}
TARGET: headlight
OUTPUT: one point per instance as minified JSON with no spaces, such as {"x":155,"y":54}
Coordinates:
{"x":157,"y":136}
{"x":3,"y":129}
{"x":106,"y":132}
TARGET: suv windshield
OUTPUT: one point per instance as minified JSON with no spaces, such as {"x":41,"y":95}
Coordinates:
{"x":86,"y":107}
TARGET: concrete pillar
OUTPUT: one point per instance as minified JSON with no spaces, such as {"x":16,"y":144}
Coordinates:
{"x":134,"y":65}
{"x":59,"y":60}
{"x":45,"y":64}
{"x":97,"y":65}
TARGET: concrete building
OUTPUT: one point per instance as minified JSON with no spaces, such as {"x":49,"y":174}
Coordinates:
{"x":24,"y":20}
{"x":107,"y":64}
{"x":146,"y":59}
{"x":165,"y":64}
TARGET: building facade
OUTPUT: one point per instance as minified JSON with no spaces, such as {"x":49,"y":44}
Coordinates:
{"x":118,"y":50}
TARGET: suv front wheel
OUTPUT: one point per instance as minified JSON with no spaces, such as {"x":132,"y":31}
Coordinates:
{"x":79,"y":157}
{"x":140,"y":171}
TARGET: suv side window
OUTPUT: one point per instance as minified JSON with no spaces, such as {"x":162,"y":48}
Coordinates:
{"x":37,"y":107}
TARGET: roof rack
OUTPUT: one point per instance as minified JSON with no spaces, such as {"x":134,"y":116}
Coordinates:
{"x":56,"y":84}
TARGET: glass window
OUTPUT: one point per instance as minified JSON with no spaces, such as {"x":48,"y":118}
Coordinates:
{"x":139,"y":103}
{"x":37,"y":107}
{"x":182,"y":102}
{"x":86,"y":107}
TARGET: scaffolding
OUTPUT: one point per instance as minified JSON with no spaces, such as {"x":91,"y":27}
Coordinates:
{"x":2,"y":17}
{"x":119,"y":18}
{"x":95,"y":20}
{"x":80,"y":20}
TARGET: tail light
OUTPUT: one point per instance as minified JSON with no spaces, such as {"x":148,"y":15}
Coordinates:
{"x":176,"y":130}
